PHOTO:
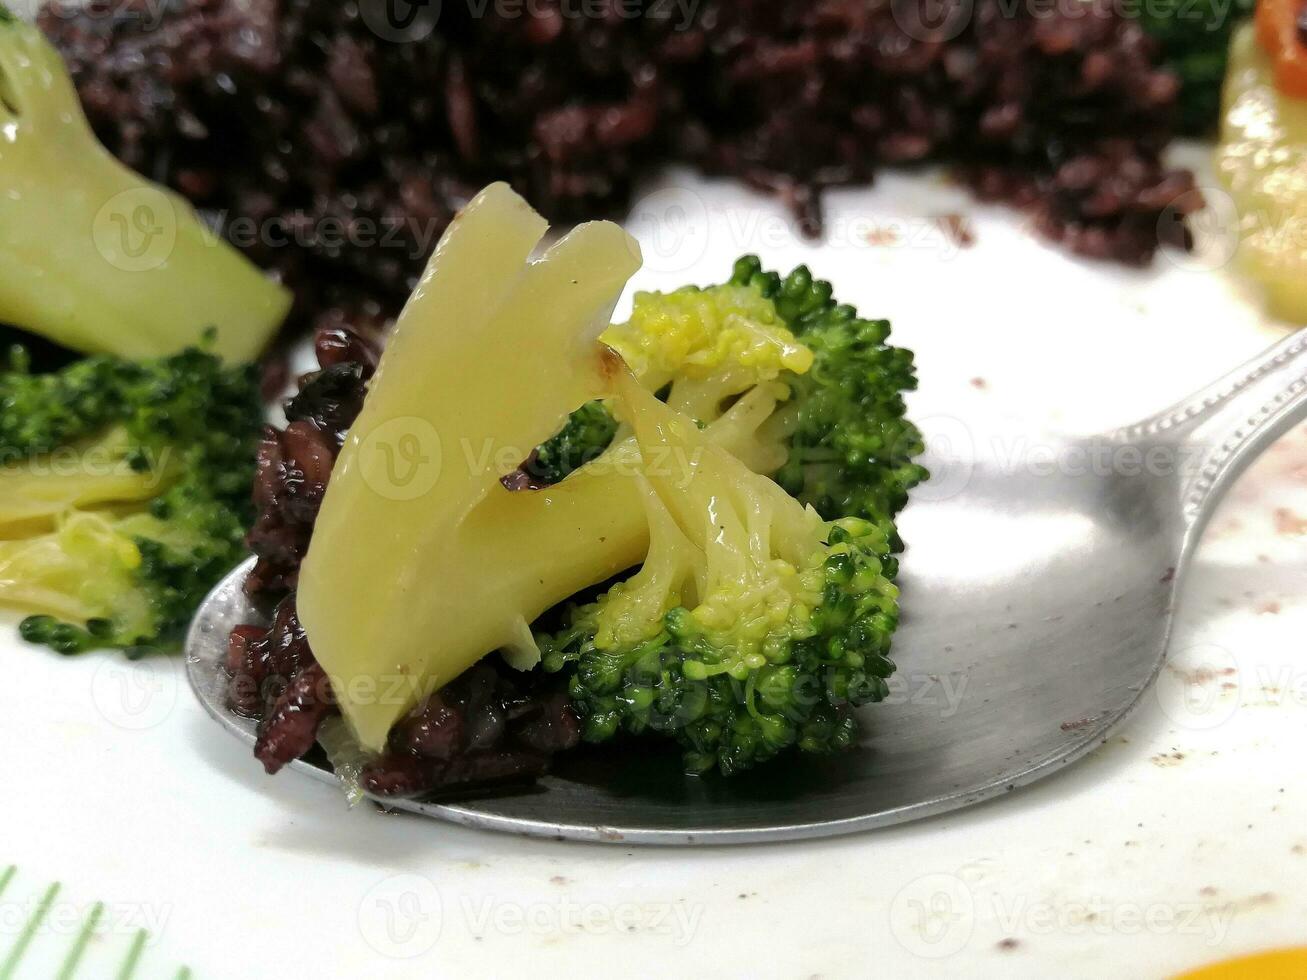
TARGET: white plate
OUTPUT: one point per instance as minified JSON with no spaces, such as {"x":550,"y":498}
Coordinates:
{"x":1171,"y":846}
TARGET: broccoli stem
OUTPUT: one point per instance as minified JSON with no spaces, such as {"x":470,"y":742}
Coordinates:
{"x":489,"y":358}
{"x":593,"y":524}
{"x":92,"y":255}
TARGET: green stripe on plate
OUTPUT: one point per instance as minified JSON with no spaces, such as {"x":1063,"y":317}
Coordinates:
{"x":133,"y":956}
{"x":79,"y":944}
{"x":68,"y":969}
{"x":25,"y":937}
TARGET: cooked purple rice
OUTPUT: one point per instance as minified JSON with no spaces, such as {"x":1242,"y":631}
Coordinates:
{"x":337,"y":157}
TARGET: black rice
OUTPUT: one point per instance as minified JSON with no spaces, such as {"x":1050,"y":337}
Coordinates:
{"x":490,"y":725}
{"x":337,"y":155}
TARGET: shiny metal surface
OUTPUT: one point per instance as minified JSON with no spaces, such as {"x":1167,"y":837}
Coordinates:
{"x":1039,"y":588}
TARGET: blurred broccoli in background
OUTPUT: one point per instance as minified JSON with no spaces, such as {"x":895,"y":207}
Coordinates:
{"x":124,"y":493}
{"x":1194,"y":36}
{"x":124,"y":476}
{"x":93,"y":256}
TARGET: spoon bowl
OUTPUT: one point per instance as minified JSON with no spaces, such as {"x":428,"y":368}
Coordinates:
{"x":1038,"y":594}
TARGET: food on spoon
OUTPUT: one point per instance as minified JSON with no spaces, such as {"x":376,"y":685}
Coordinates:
{"x":491,"y":356}
{"x":752,"y":625}
{"x":1262,"y":159}
{"x":124,"y":494}
{"x":768,"y":376}
{"x":838,"y":438}
{"x":92,"y":255}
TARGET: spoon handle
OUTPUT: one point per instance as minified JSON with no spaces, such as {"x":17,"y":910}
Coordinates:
{"x":1219,"y":431}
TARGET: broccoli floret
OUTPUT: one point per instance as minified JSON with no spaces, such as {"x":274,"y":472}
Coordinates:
{"x":845,"y":449}
{"x":851,"y":447}
{"x":708,"y":344}
{"x":1195,"y":41}
{"x":847,"y":445}
{"x":705,"y":347}
{"x":751,"y":627}
{"x":93,"y":256}
{"x":588,"y":432}
{"x":124,"y":494}
{"x":45,"y":411}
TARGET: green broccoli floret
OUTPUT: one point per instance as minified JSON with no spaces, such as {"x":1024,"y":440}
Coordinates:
{"x":704,"y":346}
{"x":124,"y":494}
{"x":851,"y":447}
{"x":45,"y":411}
{"x":847,"y":446}
{"x":588,"y":432}
{"x":1195,"y":42}
{"x":735,"y":654}
{"x":752,"y":626}
{"x":92,"y":255}
{"x":707,"y":344}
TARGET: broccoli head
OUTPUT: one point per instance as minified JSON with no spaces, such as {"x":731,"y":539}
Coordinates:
{"x":1194,"y":38}
{"x":707,"y":344}
{"x":752,"y":626}
{"x":92,"y":255}
{"x":124,"y":494}
{"x":841,"y":428}
{"x":706,"y":347}
{"x":642,"y":658}
{"x":850,"y":445}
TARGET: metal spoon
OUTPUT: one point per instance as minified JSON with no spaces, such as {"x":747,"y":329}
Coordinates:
{"x":1038,"y":600}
